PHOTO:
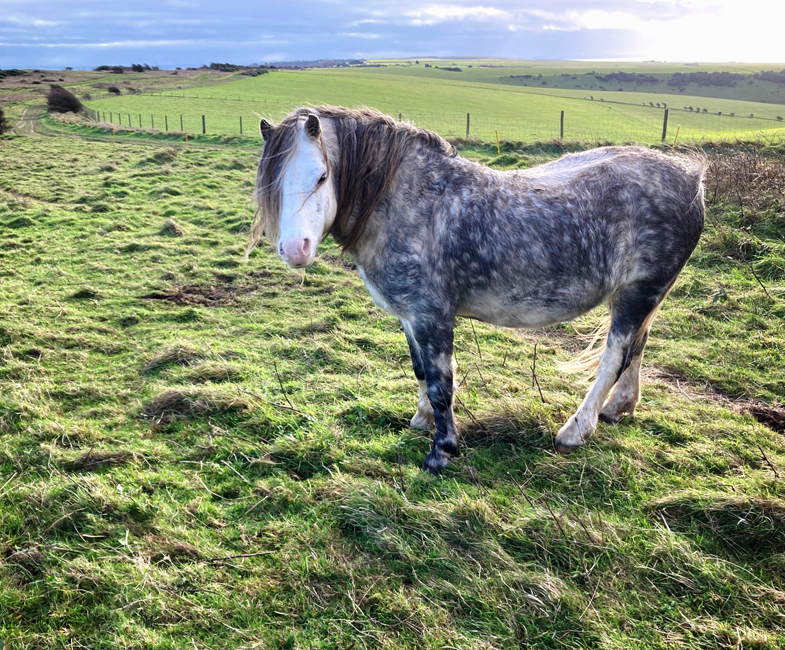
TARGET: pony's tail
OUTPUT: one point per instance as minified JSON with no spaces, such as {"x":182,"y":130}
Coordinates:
{"x":589,"y":359}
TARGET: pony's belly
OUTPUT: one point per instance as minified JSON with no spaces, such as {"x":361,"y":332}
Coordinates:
{"x":497,"y":310}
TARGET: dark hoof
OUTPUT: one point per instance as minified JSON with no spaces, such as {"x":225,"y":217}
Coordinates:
{"x":435,"y":463}
{"x":565,"y":449}
{"x":610,"y":419}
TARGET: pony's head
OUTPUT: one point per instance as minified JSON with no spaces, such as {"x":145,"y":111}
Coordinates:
{"x":296,"y":200}
{"x":325,"y":170}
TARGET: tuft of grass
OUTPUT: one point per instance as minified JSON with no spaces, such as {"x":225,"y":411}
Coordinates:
{"x":214,"y":371}
{"x":175,"y":404}
{"x":20,"y":222}
{"x":96,"y":458}
{"x":173,"y":229}
{"x":85,"y":293}
{"x":179,"y":354}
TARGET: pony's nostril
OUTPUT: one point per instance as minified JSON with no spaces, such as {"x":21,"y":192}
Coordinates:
{"x":306,"y":247}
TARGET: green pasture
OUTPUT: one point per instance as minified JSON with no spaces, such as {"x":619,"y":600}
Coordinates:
{"x":515,"y":113}
{"x":487,"y":66}
{"x":581,"y":75}
{"x":198,"y":453}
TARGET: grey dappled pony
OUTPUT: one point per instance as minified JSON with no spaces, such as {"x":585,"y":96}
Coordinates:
{"x":436,"y":236}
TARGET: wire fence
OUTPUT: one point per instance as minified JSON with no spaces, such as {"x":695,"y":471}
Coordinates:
{"x":621,"y":123}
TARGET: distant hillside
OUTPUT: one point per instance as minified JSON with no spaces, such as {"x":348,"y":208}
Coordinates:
{"x":320,"y":63}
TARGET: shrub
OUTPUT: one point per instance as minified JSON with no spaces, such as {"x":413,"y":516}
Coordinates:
{"x":4,"y":125}
{"x":60,"y":100}
{"x":113,"y":89}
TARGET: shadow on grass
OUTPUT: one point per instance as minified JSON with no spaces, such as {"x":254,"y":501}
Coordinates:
{"x":438,"y":547}
{"x":525,"y":433}
{"x":738,"y":526}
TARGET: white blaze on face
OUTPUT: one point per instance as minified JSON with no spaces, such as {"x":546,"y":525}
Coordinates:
{"x":308,"y":204}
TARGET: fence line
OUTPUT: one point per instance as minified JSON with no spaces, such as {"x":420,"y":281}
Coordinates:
{"x":661,"y":127}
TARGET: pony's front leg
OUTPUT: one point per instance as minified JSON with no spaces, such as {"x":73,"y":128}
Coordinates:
{"x":434,"y":347}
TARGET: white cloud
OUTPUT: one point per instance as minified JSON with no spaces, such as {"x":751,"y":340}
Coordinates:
{"x":144,"y":44}
{"x":27,"y":21}
{"x":433,"y":14}
{"x":359,"y":35}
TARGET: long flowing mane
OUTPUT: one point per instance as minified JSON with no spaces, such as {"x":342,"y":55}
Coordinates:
{"x":370,"y":149}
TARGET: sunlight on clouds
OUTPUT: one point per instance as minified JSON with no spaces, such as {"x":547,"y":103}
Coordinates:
{"x":699,"y":30}
{"x":726,"y":31}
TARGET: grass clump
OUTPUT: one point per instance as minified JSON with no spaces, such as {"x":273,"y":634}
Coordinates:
{"x":85,"y":293}
{"x":179,"y":354}
{"x":173,"y":229}
{"x":179,"y":404}
{"x":20,"y":222}
{"x":96,"y":458}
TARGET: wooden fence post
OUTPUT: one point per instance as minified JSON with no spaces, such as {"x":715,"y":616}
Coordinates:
{"x":241,"y":125}
{"x":399,"y":117}
{"x":152,"y":121}
{"x":204,"y":128}
{"x":181,"y":123}
{"x":561,"y":126}
{"x":140,"y":120}
{"x":468,"y":122}
{"x":111,"y":117}
{"x":665,"y":125}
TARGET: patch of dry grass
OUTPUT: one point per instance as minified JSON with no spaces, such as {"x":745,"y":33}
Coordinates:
{"x":182,"y":403}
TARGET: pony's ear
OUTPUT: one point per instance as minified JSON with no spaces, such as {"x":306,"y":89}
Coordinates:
{"x":264,"y":128}
{"x":312,"y":126}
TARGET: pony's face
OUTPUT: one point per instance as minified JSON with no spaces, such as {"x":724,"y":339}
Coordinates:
{"x":308,"y":201}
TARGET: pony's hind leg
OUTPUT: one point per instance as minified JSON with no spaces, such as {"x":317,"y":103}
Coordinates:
{"x":631,"y":315}
{"x":423,"y":419}
{"x":626,"y":393}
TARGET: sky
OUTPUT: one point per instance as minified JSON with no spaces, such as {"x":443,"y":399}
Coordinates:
{"x":169,"y":33}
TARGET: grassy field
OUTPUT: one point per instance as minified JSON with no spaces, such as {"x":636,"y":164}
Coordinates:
{"x":198,"y":453}
{"x":582,"y":75}
{"x":516,"y":113}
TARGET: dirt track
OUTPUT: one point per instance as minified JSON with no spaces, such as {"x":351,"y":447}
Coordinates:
{"x":26,"y":123}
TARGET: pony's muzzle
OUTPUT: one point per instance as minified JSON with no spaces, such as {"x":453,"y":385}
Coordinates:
{"x":297,"y":252}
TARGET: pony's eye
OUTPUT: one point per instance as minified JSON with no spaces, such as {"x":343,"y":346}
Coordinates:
{"x":322,"y":178}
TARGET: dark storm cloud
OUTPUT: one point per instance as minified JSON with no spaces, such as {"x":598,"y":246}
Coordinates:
{"x":86,"y":33}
